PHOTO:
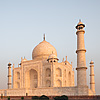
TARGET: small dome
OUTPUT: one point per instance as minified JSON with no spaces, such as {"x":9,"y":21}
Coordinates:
{"x":79,"y":24}
{"x":43,"y":50}
{"x":9,"y":64}
{"x":52,"y":56}
{"x":91,"y":62}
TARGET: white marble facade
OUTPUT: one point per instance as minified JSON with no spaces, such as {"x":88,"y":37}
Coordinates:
{"x":43,"y":70}
{"x":44,"y":75}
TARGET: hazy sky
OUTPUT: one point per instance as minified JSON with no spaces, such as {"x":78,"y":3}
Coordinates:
{"x":23,"y":23}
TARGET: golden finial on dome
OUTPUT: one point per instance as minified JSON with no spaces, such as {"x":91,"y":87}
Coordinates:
{"x":44,"y":37}
{"x":79,"y":20}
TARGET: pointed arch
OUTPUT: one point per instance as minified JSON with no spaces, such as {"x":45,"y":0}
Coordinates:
{"x":48,"y":72}
{"x":65,"y":82}
{"x":48,"y":83}
{"x":59,"y":83}
{"x":17,"y":85}
{"x":31,"y":78}
{"x":69,"y":78}
{"x":65,"y":73}
{"x":58,"y":72}
{"x":18,"y":75}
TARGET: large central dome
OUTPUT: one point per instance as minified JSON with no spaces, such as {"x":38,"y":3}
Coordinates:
{"x":43,"y":50}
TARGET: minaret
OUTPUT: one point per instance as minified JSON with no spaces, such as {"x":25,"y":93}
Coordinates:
{"x":9,"y":76}
{"x":92,"y":82}
{"x":81,"y":61}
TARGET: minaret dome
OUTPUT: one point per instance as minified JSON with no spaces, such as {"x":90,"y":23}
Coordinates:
{"x":80,"y":25}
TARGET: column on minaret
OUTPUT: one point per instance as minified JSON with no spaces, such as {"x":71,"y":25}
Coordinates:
{"x":81,"y":61}
{"x":9,"y":76}
{"x":52,"y":59}
{"x":92,"y":81}
{"x":13,"y":76}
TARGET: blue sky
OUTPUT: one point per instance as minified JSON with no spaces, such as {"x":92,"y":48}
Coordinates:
{"x":23,"y":23}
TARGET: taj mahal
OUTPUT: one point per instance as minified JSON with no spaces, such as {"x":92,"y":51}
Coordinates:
{"x":44,"y":75}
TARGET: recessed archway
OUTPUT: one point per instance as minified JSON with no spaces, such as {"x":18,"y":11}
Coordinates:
{"x":17,"y":85}
{"x":69,"y":78}
{"x":48,"y":72}
{"x":17,"y":75}
{"x":48,"y":83}
{"x":31,"y":79}
{"x":58,"y":72}
{"x":58,"y":82}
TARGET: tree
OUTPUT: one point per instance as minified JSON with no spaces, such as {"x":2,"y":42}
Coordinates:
{"x":8,"y":98}
{"x":22,"y":98}
{"x":43,"y":97}
{"x":35,"y":98}
{"x":63,"y":97}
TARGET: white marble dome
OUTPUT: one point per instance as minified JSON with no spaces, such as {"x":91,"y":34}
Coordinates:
{"x":91,"y":62}
{"x":43,"y":50}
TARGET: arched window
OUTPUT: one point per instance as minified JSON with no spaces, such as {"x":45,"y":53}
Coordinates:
{"x":58,"y":72}
{"x":33,"y":78}
{"x":18,"y":85}
{"x":35,"y":85}
{"x":48,"y":83}
{"x":69,"y":78}
{"x":18,"y":75}
{"x":65,"y":82}
{"x":65,"y":73}
{"x":48,"y":72}
{"x":58,"y":83}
